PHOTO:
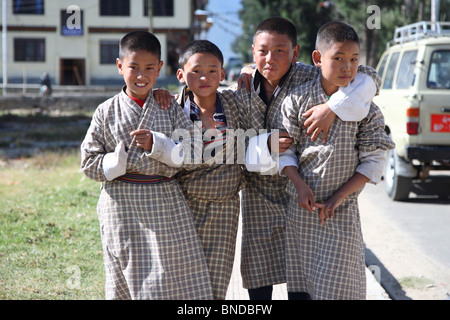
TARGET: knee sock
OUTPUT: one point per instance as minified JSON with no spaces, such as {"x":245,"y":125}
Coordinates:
{"x":298,"y":296}
{"x":263,"y":293}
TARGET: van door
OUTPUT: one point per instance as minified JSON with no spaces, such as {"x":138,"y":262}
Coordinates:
{"x":392,"y":102}
{"x":435,"y":98}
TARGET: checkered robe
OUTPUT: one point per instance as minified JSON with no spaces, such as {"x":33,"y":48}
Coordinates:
{"x":212,"y":192}
{"x":150,"y":247}
{"x":327,"y":261}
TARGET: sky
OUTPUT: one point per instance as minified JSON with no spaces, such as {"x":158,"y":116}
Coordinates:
{"x":226,"y":24}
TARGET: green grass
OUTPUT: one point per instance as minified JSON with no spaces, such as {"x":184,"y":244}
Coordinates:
{"x":50,"y":247}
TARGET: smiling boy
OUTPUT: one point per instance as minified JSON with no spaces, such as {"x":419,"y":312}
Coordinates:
{"x":150,"y":246}
{"x":211,"y":188}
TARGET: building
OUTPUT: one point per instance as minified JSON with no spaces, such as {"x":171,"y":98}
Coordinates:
{"x":77,"y":41}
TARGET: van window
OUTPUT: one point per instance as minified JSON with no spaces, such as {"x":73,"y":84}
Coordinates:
{"x":439,"y":73}
{"x":389,"y":79}
{"x":405,"y":77}
{"x":382,"y":66}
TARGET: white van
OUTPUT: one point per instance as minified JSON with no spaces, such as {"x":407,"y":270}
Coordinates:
{"x":415,"y":100}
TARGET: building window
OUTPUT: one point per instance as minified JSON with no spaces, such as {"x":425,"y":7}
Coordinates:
{"x":109,"y":51}
{"x":161,"y":8}
{"x":72,"y":22}
{"x":26,"y":49}
{"x":115,"y":8}
{"x":28,"y":6}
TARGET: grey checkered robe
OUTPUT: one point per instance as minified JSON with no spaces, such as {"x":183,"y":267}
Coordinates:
{"x":150,"y":247}
{"x":327,"y":261}
{"x":264,"y":200}
{"x":212,"y":192}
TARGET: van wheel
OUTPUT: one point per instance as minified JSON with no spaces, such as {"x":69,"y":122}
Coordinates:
{"x":397,"y":187}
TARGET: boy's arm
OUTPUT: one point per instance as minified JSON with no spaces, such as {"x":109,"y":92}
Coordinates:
{"x":372,"y":144}
{"x":351,"y":103}
{"x":305,"y":195}
{"x":96,"y":163}
{"x":163,"y":98}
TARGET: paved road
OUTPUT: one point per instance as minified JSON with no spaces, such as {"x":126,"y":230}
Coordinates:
{"x":409,"y":241}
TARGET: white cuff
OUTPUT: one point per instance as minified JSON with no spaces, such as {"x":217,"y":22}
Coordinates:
{"x":115,"y":163}
{"x":165,"y":150}
{"x":372,"y":165}
{"x":258,"y":158}
{"x":287,"y":158}
{"x":352,"y":103}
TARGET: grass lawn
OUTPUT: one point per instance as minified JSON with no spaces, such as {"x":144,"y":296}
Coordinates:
{"x":50,"y":247}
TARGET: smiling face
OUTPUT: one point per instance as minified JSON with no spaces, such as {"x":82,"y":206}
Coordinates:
{"x":339,"y":64}
{"x":202,"y":73}
{"x":273,"y":54}
{"x":139,"y":70}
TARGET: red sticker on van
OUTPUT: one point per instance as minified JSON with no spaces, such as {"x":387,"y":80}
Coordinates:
{"x":440,"y":123}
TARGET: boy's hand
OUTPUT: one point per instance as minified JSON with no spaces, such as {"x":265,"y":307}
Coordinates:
{"x":163,"y":98}
{"x":245,"y":79}
{"x":280,"y":142}
{"x":326,"y":210}
{"x":143,"y":138}
{"x":305,"y":198}
{"x":320,"y":118}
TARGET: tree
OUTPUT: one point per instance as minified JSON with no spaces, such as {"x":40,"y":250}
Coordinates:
{"x":308,"y":15}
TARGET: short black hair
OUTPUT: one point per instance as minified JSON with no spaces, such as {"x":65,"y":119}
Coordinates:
{"x":279,"y":25}
{"x":199,"y":46}
{"x":335,"y":31}
{"x":139,"y":40}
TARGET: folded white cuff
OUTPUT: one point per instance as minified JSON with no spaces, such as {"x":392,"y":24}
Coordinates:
{"x":352,"y":103}
{"x":165,"y":150}
{"x":258,"y":158}
{"x":115,"y":163}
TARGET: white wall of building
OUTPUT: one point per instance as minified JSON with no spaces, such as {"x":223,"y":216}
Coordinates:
{"x":86,"y":47}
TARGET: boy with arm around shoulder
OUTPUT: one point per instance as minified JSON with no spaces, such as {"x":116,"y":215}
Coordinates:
{"x":325,"y":256}
{"x":211,"y":187}
{"x":265,"y":200}
{"x":150,"y":247}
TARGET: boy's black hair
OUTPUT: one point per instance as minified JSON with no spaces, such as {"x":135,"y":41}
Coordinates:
{"x":335,"y":31}
{"x":139,"y":40}
{"x":199,"y":46}
{"x":280,"y":26}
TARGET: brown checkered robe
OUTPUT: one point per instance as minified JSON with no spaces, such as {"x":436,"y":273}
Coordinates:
{"x":150,"y":247}
{"x":212,"y":192}
{"x":327,"y":261}
{"x":264,"y":200}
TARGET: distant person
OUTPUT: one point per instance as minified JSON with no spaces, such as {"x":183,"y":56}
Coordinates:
{"x":46,"y":86}
{"x":150,"y":246}
{"x":325,"y":251}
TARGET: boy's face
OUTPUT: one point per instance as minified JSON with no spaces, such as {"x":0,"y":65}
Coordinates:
{"x":202,"y":73}
{"x":139,"y":70}
{"x":339,"y":64}
{"x":273,"y":54}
